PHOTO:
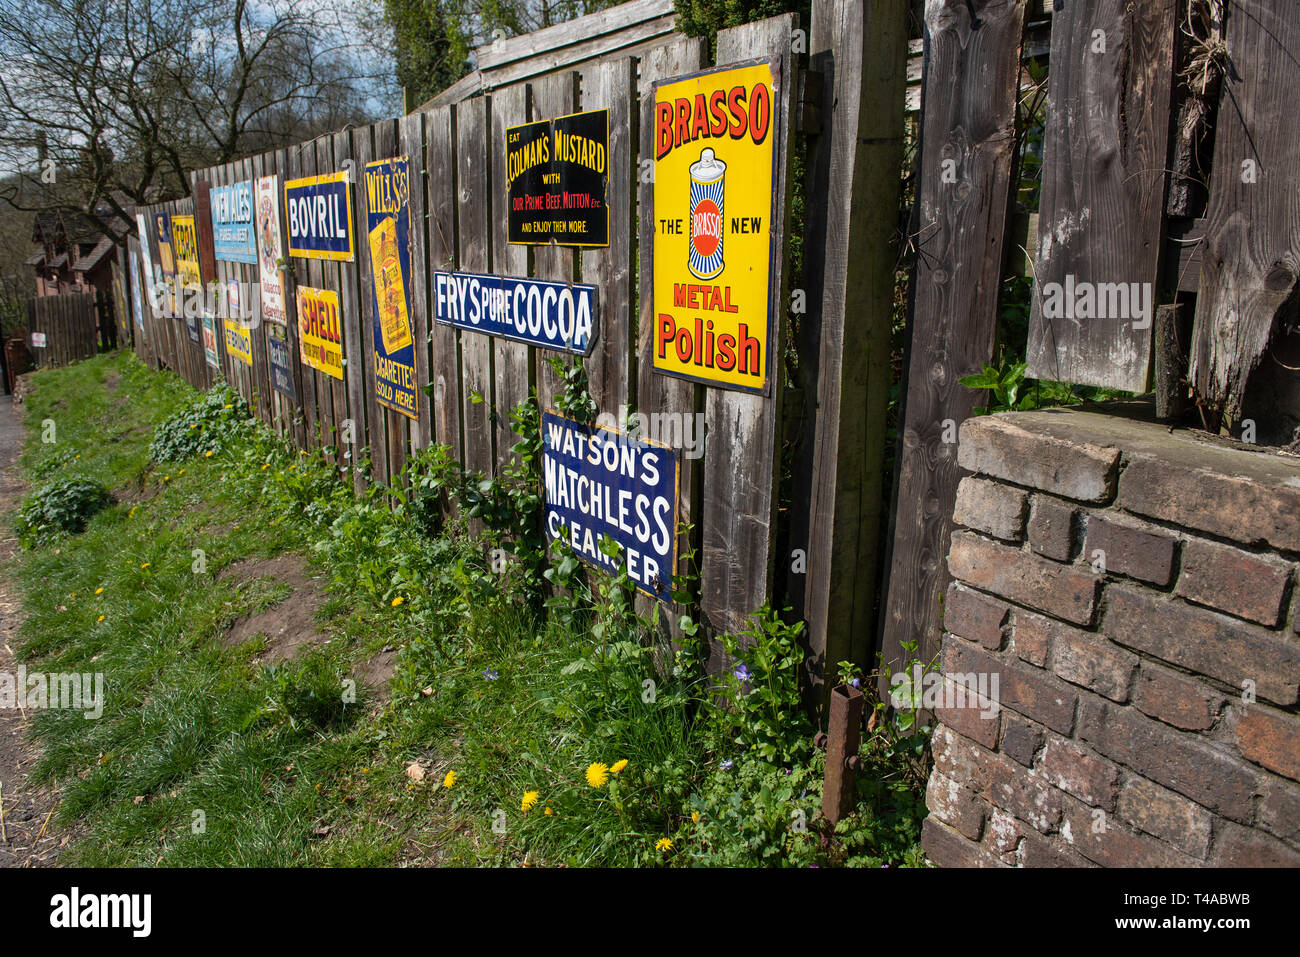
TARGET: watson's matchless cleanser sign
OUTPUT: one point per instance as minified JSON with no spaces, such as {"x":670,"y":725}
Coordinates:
{"x":599,"y":482}
{"x":319,"y":342}
{"x":553,"y":315}
{"x":557,"y":172}
{"x":234,"y":229}
{"x":713,"y":206}
{"x":388,"y":224}
{"x":269,"y":250}
{"x":320,"y":217}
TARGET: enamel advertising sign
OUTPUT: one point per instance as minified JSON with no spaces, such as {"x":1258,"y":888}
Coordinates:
{"x":234,"y":229}
{"x":601,"y":484}
{"x":319,"y":343}
{"x":185,"y":243}
{"x":239,"y":341}
{"x":388,"y":227}
{"x":557,"y":172}
{"x":713,"y":205}
{"x":277,"y":357}
{"x":553,"y":315}
{"x":146,"y":264}
{"x":320,"y":217}
{"x":269,"y":250}
{"x":210,"y":340}
{"x":166,"y":264}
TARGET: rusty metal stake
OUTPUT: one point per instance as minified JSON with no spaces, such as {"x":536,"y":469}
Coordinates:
{"x":843,"y":734}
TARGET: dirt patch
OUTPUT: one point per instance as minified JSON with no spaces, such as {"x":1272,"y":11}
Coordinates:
{"x":27,"y":839}
{"x":289,"y":624}
{"x":377,"y":674}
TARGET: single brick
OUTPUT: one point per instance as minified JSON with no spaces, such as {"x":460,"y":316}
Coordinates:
{"x":1166,"y":815}
{"x":1003,"y":835}
{"x":1183,"y":762}
{"x":1038,"y":851}
{"x":974,"y":617}
{"x":1174,"y":699}
{"x":1242,"y":847}
{"x":1270,"y":738}
{"x":1028,"y":691}
{"x":1031,"y":637}
{"x":1242,"y":584}
{"x":1243,"y":509}
{"x":969,"y":714}
{"x":955,"y":805}
{"x":990,"y":445}
{"x":1051,"y":528}
{"x":1084,"y":659}
{"x":1101,"y":838}
{"x":1080,"y":772}
{"x":1004,"y":783}
{"x":1279,"y":811}
{"x":1020,"y":739}
{"x":991,"y":507}
{"x":1130,"y":549}
{"x":1204,"y":641}
{"x":946,"y":848}
{"x":1060,"y":590}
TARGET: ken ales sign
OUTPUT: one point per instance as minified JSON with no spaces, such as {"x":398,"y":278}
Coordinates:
{"x":320,"y":218}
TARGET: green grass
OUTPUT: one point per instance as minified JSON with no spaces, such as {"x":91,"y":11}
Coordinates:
{"x":276,"y":762}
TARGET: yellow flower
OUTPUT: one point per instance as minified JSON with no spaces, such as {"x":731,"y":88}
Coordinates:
{"x":145,"y":565}
{"x":398,"y":600}
{"x":663,"y":845}
{"x":181,"y":472}
{"x":449,"y":780}
{"x":99,"y":589}
{"x":100,"y":618}
{"x":167,"y":478}
{"x":207,"y":454}
{"x":618,"y":766}
{"x":597,"y":774}
{"x":548,"y":812}
{"x":131,"y":514}
{"x":230,"y":407}
{"x":530,"y":798}
{"x":194,"y":425}
{"x":267,"y":465}
{"x":695,"y":817}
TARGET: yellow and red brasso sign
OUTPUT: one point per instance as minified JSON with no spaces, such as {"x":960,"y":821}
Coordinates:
{"x":714,"y":171}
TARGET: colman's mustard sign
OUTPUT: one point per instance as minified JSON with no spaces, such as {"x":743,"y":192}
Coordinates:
{"x":713,"y":204}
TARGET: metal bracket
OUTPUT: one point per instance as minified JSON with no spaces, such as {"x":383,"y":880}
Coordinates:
{"x":840,"y":741}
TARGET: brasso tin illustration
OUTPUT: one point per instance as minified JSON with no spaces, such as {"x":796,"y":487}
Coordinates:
{"x":707,"y":182}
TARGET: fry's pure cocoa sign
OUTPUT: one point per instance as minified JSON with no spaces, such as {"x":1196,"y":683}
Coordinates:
{"x":713,"y":245}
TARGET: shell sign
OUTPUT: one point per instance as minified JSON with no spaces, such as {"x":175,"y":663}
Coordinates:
{"x":713,"y":209}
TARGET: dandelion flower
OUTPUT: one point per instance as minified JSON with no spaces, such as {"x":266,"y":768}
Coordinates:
{"x":207,"y":454}
{"x":548,"y":812}
{"x":663,"y":845}
{"x":695,"y":817}
{"x":99,"y":589}
{"x":449,"y":780}
{"x":100,"y":618}
{"x":194,"y":425}
{"x":230,"y":407}
{"x":597,"y":774}
{"x":530,"y":799}
{"x":144,"y":565}
{"x":398,"y":600}
{"x":618,"y":766}
{"x":266,"y":466}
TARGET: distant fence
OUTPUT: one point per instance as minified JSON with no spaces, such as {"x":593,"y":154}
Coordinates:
{"x":62,"y":329}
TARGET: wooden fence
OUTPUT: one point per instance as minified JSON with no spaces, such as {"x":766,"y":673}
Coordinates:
{"x":67,"y":325}
{"x":1126,"y":204}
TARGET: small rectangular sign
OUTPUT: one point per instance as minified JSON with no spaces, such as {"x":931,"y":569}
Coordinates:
{"x":553,"y":315}
{"x":558,"y":171}
{"x":38,"y":340}
{"x":137,"y":306}
{"x":210,"y":340}
{"x":388,"y":228}
{"x":239,"y":341}
{"x":270,"y":251}
{"x":320,"y":343}
{"x":146,"y":263}
{"x":166,"y":263}
{"x":185,"y":244}
{"x":234,"y":227}
{"x":320,"y":217}
{"x":193,"y":327}
{"x":602,"y":483}
{"x":714,"y":308}
{"x":277,"y":356}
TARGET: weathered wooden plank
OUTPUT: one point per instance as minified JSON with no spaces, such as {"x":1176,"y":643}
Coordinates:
{"x":969,"y":117}
{"x":300,"y":162}
{"x":611,"y":370}
{"x":331,"y":395}
{"x":1252,"y":239}
{"x":552,"y":96}
{"x":845,"y":352}
{"x":376,"y":421}
{"x":474,"y":203}
{"x":1102,"y":211}
{"x":444,"y":341}
{"x":412,"y":144}
{"x":740,"y":460}
{"x":355,"y":357}
{"x":511,"y":361}
{"x":612,"y":20}
{"x":660,"y":394}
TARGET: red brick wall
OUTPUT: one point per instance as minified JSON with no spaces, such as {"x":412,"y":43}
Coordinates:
{"x":1133,"y":592}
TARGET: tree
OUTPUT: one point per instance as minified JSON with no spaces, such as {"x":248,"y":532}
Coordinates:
{"x":106,"y":104}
